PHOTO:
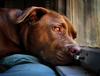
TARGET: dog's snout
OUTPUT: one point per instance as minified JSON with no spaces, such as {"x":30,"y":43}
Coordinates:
{"x":73,"y":49}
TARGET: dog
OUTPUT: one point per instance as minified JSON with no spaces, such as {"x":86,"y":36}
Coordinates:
{"x":39,"y":32}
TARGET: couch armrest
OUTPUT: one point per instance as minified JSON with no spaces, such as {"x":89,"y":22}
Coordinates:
{"x":71,"y":71}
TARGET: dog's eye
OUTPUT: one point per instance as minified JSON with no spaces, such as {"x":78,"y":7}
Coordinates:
{"x":58,"y":28}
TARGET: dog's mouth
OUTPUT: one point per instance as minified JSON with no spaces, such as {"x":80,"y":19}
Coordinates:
{"x":61,"y":55}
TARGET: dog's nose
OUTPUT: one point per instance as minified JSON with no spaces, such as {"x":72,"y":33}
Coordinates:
{"x":73,"y":49}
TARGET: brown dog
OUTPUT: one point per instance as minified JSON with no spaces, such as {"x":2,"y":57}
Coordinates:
{"x":39,"y":32}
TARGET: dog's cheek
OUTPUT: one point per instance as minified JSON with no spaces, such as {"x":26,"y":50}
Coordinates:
{"x":56,"y":57}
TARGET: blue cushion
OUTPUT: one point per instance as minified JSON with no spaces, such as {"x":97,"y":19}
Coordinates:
{"x":18,"y":59}
{"x":25,"y":65}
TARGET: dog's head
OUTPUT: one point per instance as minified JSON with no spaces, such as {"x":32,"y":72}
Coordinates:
{"x":48,"y":34}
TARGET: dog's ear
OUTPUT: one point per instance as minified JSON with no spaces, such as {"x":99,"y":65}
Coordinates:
{"x":34,"y":12}
{"x":71,"y":30}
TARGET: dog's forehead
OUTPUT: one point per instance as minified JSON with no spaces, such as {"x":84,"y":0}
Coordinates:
{"x":53,"y":18}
